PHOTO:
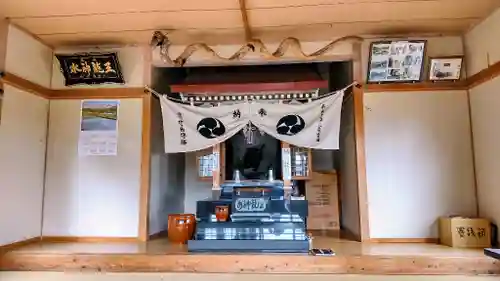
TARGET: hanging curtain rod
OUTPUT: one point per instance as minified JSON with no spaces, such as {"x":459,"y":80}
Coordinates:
{"x":150,"y":90}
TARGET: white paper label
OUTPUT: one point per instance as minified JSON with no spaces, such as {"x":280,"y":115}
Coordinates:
{"x":286,"y":161}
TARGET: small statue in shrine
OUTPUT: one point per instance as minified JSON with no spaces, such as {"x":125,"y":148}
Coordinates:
{"x":254,"y":153}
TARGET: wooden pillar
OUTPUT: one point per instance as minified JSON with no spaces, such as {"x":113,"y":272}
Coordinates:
{"x":359,"y":129}
{"x":286,"y":167}
{"x":216,"y":172}
{"x":145,"y":169}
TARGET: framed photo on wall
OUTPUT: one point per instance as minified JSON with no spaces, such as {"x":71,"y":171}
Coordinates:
{"x":445,"y":68}
{"x":396,"y":61}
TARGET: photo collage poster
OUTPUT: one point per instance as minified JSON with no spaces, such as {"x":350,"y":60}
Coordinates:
{"x":398,"y":61}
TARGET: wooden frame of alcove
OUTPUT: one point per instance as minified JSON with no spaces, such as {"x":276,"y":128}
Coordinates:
{"x":358,"y":93}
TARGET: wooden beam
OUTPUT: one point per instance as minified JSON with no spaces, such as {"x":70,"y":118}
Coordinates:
{"x":249,"y":87}
{"x":246,"y":23}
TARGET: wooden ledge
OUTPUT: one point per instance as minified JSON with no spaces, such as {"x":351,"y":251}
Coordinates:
{"x":484,"y":75}
{"x":25,"y":85}
{"x":97,"y":93}
{"x":73,"y":93}
{"x":102,"y":93}
{"x":207,"y":263}
{"x":416,"y":87}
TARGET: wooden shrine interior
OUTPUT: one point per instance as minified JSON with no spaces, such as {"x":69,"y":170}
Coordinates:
{"x":411,"y":256}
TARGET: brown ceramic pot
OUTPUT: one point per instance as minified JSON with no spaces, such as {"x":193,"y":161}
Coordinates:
{"x":221,"y":213}
{"x":180,"y":227}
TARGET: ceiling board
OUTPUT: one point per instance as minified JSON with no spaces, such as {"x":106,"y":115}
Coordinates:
{"x":314,"y":32}
{"x":32,"y":8}
{"x":372,"y":12}
{"x":61,"y":22}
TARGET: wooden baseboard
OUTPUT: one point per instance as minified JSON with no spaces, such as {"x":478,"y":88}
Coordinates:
{"x":161,"y":234}
{"x":19,"y":244}
{"x":404,"y":240}
{"x":90,"y":239}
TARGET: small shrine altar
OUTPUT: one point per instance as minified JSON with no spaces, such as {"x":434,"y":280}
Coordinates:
{"x":251,"y":216}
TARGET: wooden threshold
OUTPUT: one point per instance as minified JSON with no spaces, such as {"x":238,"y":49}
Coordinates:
{"x":216,"y":263}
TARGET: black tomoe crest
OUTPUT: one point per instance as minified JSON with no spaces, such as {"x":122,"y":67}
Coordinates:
{"x":290,"y":125}
{"x":211,"y":128}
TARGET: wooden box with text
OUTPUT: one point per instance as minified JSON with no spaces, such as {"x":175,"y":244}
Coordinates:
{"x":463,"y":232}
{"x":322,"y":197}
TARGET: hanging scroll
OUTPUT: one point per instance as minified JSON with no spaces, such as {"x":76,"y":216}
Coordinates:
{"x":90,"y":69}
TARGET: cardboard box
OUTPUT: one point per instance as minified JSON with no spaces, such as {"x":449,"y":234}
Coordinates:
{"x":323,"y":203}
{"x":463,"y":232}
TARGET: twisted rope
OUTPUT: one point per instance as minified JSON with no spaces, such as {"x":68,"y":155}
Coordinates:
{"x":254,"y":46}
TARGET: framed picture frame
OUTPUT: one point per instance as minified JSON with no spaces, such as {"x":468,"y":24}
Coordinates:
{"x":396,"y":61}
{"x":445,"y":68}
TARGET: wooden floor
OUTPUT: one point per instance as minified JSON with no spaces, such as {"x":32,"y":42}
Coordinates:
{"x":160,"y":256}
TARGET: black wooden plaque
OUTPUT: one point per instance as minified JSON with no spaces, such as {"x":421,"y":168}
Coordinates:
{"x":90,"y":69}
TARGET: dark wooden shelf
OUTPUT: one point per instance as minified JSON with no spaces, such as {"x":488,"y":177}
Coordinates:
{"x":249,"y":87}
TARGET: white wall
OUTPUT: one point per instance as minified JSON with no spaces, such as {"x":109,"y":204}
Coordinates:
{"x":195,"y":189}
{"x":93,"y":195}
{"x":419,"y":161}
{"x":23,"y":129}
{"x":167,"y":177}
{"x":482,"y":44}
{"x":349,"y":195}
{"x":28,"y":58}
{"x":485,"y":102}
{"x":482,"y":52}
{"x":131,"y":60}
